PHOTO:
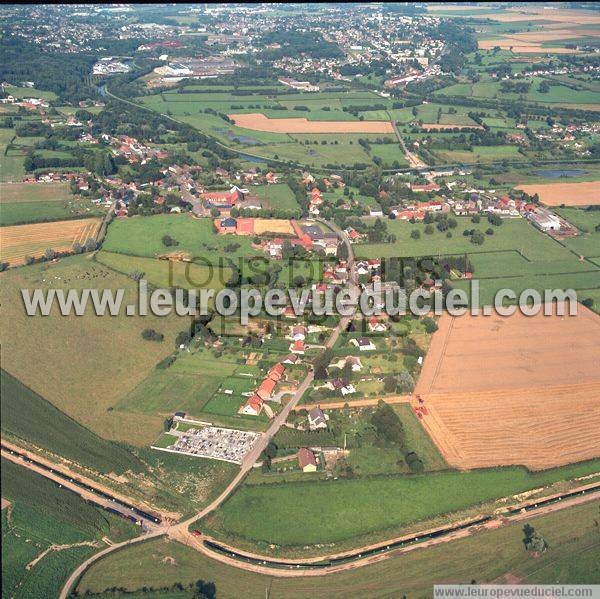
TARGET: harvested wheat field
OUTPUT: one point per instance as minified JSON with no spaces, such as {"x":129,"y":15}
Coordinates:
{"x":561,"y":16}
{"x":259,"y":122}
{"x":275,"y":225}
{"x":520,"y":47}
{"x":514,"y":390}
{"x":569,"y":194}
{"x":33,"y":240}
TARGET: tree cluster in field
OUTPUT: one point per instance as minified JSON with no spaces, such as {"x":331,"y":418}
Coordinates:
{"x":533,"y":540}
{"x":200,"y":589}
{"x":169,"y":241}
{"x":152,"y":335}
{"x":51,"y":254}
{"x":390,"y":431}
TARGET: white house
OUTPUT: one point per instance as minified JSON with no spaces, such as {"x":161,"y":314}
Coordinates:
{"x":317,"y":419}
{"x":363,"y":344}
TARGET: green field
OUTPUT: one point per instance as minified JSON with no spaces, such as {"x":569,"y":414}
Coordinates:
{"x":187,"y":385}
{"x":30,"y":202}
{"x":277,"y":196}
{"x":316,"y":155}
{"x":11,"y":160}
{"x":31,"y":419}
{"x":85,"y":363}
{"x":516,"y":256}
{"x":40,"y":515}
{"x":418,"y":440}
{"x":587,"y":243}
{"x":166,"y":273}
{"x":479,"y":154}
{"x":19,"y":213}
{"x":513,"y":234}
{"x":486,"y":557}
{"x":385,"y":503}
{"x":190,"y":107}
{"x":389,"y":154}
{"x":142,"y":236}
{"x":487,"y":88}
{"x":29,"y":92}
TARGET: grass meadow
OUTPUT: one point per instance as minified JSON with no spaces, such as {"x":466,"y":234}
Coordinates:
{"x":29,"y":417}
{"x":321,"y":106}
{"x":485,"y":557}
{"x":277,"y":196}
{"x":86,"y":363}
{"x":385,"y":503}
{"x":22,"y":203}
{"x":517,"y":256}
{"x":142,"y":236}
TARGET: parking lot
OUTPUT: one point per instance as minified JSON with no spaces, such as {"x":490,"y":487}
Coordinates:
{"x":217,"y":443}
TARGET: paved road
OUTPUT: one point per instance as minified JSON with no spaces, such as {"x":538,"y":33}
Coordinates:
{"x":180,"y":530}
{"x":254,"y":454}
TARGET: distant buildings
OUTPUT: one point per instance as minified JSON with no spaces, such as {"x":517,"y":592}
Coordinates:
{"x":304,"y":86}
{"x":109,"y":66}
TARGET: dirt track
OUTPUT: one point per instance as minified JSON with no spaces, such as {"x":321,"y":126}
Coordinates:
{"x":569,"y":194}
{"x":259,"y":122}
{"x":33,"y":240}
{"x":360,"y":403}
{"x":516,"y":390}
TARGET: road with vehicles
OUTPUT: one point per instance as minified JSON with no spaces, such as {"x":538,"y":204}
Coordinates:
{"x":88,"y":490}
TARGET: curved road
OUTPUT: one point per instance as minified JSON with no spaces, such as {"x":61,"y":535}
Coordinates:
{"x":181,"y":529}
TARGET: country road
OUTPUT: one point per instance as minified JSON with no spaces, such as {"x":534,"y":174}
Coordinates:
{"x":181,"y":529}
{"x":383,"y":550}
{"x":413,"y":160}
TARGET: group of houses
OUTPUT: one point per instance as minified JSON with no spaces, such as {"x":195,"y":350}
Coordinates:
{"x":475,"y":202}
{"x":266,"y":390}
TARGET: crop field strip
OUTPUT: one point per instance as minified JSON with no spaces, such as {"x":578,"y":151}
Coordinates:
{"x":32,"y":240}
{"x":569,"y":194}
{"x":301,"y":125}
{"x":538,"y":369}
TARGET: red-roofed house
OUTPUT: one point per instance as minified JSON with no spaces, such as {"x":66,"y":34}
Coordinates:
{"x":375,"y":325}
{"x":307,"y":460}
{"x":425,"y":188}
{"x":276,"y":372}
{"x":408,"y":214}
{"x":222,"y":199}
{"x":253,"y":406}
{"x":265,"y":390}
{"x":297,"y":347}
